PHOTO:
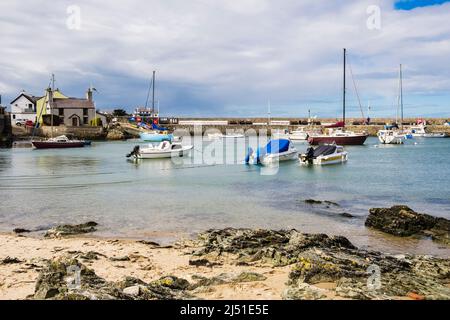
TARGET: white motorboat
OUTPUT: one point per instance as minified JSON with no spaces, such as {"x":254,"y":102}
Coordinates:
{"x":280,"y":134}
{"x":324,"y":155}
{"x":299,"y":134}
{"x":390,"y":136}
{"x":165,"y":149}
{"x":421,"y":132}
{"x":276,"y":150}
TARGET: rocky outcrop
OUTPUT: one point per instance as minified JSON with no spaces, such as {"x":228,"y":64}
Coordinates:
{"x":70,"y":230}
{"x":318,"y":258}
{"x":403,"y":221}
{"x":115,"y":134}
{"x":67,"y":279}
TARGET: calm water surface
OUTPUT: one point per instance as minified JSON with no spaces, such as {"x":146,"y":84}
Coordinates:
{"x":160,"y":199}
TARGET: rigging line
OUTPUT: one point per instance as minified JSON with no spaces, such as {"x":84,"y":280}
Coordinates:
{"x":356,"y":90}
{"x":40,"y":115}
{"x":148,"y":92}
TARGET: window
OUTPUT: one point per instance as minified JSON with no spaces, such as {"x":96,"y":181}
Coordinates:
{"x":85,"y":112}
{"x":61,"y":112}
{"x":14,"y":116}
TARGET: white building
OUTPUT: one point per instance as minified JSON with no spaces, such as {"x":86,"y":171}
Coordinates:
{"x":23,"y":107}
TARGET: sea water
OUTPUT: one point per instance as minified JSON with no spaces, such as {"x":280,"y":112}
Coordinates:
{"x":163,"y":200}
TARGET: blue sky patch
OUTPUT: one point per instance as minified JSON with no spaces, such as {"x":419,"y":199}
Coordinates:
{"x":412,"y":4}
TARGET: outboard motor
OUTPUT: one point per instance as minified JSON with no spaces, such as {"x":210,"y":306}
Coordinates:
{"x":310,"y":155}
{"x":249,"y":153}
{"x":134,"y":153}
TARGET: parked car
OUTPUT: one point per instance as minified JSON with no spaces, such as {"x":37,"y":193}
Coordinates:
{"x":29,"y":123}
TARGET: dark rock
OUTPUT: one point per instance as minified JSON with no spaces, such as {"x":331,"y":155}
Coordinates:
{"x":9,"y":260}
{"x":68,"y":230}
{"x":20,"y":230}
{"x":53,"y":283}
{"x":312,"y":201}
{"x":318,"y":258}
{"x":277,"y":247}
{"x":202,"y":263}
{"x":347,"y":215}
{"x":91,"y":255}
{"x":403,"y":221}
{"x":124,"y":258}
{"x":150,"y":243}
{"x":249,"y":277}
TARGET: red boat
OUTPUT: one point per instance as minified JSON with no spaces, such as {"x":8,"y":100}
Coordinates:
{"x":339,"y":136}
{"x":58,"y":143}
{"x":342,"y":138}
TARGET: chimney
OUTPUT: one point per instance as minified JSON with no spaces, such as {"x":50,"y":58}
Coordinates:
{"x":89,"y":94}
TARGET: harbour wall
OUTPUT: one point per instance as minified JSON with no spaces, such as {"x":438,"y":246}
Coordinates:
{"x":91,"y":133}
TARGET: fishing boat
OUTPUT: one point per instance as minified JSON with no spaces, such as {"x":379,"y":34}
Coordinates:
{"x":58,"y":143}
{"x":165,"y":149}
{"x":276,"y":150}
{"x":324,"y":155}
{"x":336,"y":133}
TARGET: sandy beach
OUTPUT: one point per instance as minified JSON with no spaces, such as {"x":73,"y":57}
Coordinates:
{"x":221,"y":264}
{"x":145,"y":261}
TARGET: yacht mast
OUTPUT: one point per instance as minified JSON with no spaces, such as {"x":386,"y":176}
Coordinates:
{"x":401,"y":96}
{"x":343,"y":91}
{"x":153,"y":94}
{"x":51,"y":103}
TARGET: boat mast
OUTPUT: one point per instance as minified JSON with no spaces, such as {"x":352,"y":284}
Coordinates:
{"x":343,"y":90}
{"x":153,"y":95}
{"x":51,"y":103}
{"x":401,"y":97}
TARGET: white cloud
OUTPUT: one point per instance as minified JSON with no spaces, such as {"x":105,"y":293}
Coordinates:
{"x":225,"y":54}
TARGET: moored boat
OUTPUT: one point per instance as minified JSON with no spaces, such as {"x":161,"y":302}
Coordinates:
{"x":58,"y":143}
{"x":299,"y":134}
{"x":165,"y":149}
{"x":155,"y":136}
{"x":324,"y":155}
{"x":276,"y":150}
{"x":340,"y":137}
{"x":336,"y":131}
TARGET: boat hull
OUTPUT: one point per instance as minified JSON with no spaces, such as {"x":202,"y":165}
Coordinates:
{"x":164,"y":154}
{"x":349,"y":140}
{"x":57,"y":145}
{"x":274,"y":158}
{"x":326,"y":160}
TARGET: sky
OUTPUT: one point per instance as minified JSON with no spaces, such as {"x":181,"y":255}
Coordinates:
{"x":229,"y":58}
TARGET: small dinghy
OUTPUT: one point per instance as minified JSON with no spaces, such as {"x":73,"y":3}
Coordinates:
{"x":324,"y":155}
{"x":165,"y":149}
{"x":276,"y":150}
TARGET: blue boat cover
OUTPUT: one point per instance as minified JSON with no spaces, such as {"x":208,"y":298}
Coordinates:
{"x":156,"y":127}
{"x":277,"y":146}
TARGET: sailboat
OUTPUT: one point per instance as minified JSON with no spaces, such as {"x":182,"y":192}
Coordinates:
{"x":58,"y":142}
{"x":391,"y":133}
{"x":336,"y":132}
{"x":157,"y":134}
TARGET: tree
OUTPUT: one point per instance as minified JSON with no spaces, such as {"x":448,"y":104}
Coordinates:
{"x":120,"y":113}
